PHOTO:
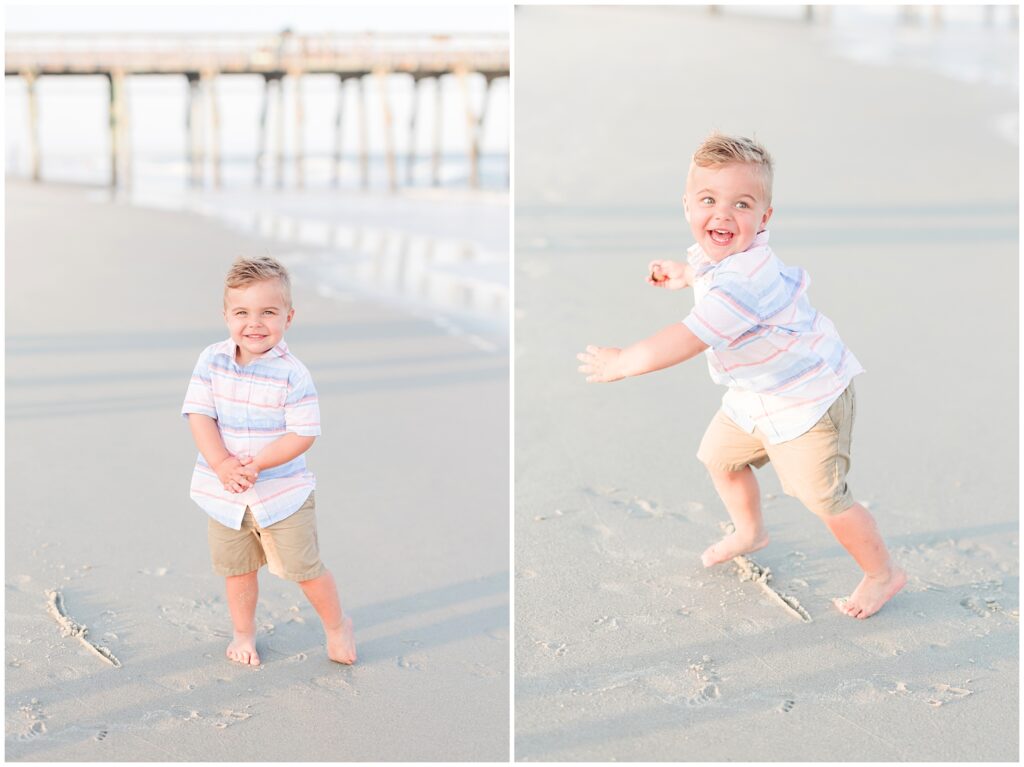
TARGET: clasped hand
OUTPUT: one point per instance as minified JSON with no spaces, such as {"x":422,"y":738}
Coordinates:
{"x":236,"y":473}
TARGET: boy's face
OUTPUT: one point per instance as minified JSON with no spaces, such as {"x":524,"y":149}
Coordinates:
{"x":257,"y":316}
{"x":726,"y":207}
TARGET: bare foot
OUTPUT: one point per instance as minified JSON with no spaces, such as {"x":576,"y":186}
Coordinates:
{"x":243,"y":649}
{"x":871,"y":593}
{"x":732,"y":546}
{"x":341,"y":642}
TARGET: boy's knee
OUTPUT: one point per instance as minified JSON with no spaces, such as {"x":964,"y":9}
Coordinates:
{"x":724,"y":473}
{"x":825,"y":505}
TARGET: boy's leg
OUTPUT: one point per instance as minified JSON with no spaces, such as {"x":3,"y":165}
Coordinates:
{"x":741,"y":495}
{"x":239,"y":551}
{"x":323,"y":595}
{"x":729,"y":452}
{"x":855,"y":529}
{"x":243,"y":591}
{"x":813,"y":468}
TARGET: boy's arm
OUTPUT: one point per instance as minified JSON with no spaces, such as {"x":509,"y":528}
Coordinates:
{"x":669,"y":346}
{"x":282,"y":450}
{"x":208,"y":440}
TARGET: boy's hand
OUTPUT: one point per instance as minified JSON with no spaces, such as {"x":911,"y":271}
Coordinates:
{"x":599,"y":364}
{"x":669,"y":274}
{"x":234,"y":475}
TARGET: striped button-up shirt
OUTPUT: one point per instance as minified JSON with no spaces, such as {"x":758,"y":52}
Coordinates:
{"x":783,"y":362}
{"x":253,"y":406}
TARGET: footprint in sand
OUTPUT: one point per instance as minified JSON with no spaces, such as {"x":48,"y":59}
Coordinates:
{"x":944,"y":693}
{"x":707,"y":683}
{"x":557,"y":648}
{"x":227,"y":717}
{"x":409,"y":663}
{"x":981,"y":609}
{"x":554,"y":514}
{"x":641,"y":509}
{"x":786,"y":706}
{"x":484,"y":671}
{"x":101,"y":735}
{"x":33,"y":711}
{"x":298,"y":657}
{"x":335,"y":682}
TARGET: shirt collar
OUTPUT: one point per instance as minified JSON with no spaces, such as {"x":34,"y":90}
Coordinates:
{"x":701,"y":264}
{"x":279,"y":350}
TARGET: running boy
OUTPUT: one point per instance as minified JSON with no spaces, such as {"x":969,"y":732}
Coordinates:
{"x":253,"y":412}
{"x":790,"y":397}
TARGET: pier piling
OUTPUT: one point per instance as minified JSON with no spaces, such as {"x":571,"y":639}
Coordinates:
{"x":300,"y":158}
{"x":338,"y":130}
{"x":364,"y":134}
{"x":381,"y":75}
{"x":435,"y":165}
{"x":33,"y":125}
{"x":279,"y":137}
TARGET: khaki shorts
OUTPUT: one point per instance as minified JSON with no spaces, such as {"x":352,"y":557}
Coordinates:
{"x":289,"y":547}
{"x":812,"y":467}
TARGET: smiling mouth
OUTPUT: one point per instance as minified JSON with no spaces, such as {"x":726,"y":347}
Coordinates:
{"x":720,"y":236}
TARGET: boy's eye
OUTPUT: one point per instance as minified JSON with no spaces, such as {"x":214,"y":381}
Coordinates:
{"x":708,"y":200}
{"x":742,"y":205}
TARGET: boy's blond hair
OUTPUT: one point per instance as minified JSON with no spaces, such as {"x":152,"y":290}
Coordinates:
{"x":719,"y":149}
{"x":245,"y":271}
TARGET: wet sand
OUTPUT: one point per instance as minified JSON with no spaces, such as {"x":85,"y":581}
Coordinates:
{"x":107,"y":309}
{"x":895,"y":194}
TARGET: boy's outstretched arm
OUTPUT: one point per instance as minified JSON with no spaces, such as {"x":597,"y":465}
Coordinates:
{"x":669,"y":346}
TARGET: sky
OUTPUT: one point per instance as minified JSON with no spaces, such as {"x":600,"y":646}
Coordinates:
{"x":225,"y":16}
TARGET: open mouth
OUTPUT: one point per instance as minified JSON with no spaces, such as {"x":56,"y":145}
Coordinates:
{"x":720,"y":236}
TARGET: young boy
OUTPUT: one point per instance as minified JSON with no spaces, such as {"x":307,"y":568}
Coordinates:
{"x":253,"y":412}
{"x":790,"y":397}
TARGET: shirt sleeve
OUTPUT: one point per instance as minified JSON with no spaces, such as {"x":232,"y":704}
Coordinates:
{"x":199,"y":397}
{"x":726,"y":312}
{"x":302,"y":408}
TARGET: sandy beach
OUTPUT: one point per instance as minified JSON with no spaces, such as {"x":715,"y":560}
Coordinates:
{"x":108,"y":307}
{"x":897,"y":195}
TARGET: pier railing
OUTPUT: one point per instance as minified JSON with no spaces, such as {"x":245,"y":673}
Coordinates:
{"x":201,"y":58}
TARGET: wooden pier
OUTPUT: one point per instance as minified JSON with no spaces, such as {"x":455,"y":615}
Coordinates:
{"x":358,"y":61}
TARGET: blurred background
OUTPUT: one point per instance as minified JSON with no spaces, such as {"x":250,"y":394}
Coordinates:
{"x":374,"y":140}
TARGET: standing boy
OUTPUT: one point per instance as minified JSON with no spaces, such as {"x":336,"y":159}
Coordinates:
{"x":253,"y":412}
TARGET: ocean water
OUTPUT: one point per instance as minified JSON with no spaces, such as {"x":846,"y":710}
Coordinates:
{"x":975,"y":44}
{"x":437,"y":252}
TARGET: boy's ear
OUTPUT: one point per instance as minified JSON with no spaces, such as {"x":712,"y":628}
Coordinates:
{"x":764,"y":219}
{"x":288,"y":319}
{"x":686,"y":209}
